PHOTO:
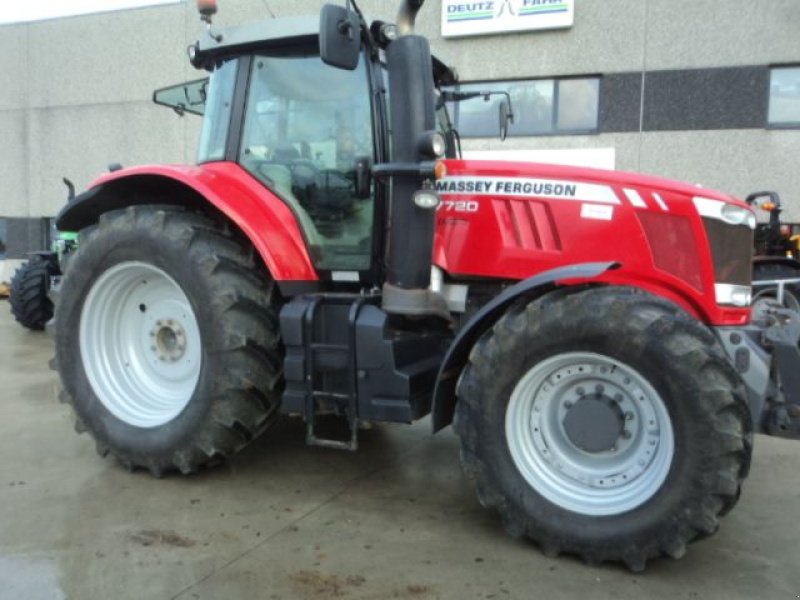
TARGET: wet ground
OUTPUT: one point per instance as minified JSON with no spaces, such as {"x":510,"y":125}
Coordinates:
{"x":395,"y":520}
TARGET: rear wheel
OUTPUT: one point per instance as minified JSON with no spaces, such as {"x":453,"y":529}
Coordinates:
{"x":30,"y":303}
{"x":605,"y":423}
{"x":166,"y":339}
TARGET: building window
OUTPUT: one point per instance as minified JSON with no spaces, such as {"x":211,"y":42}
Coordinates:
{"x":2,"y":238}
{"x":784,"y":97}
{"x":541,"y":107}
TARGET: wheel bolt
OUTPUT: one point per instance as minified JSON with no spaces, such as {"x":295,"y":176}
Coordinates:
{"x":580,"y":391}
{"x":153,"y":348}
{"x":629,"y":416}
{"x":567,"y":404}
{"x":626,"y":434}
{"x":599,"y":388}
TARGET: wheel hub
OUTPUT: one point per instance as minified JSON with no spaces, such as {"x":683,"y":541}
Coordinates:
{"x":594,"y":424}
{"x":169,"y":340}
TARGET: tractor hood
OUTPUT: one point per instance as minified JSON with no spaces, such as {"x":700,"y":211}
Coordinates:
{"x":619,"y":181}
{"x":511,"y":220}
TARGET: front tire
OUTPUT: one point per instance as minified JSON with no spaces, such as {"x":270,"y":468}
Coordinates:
{"x":166,"y":339}
{"x":604,"y":423}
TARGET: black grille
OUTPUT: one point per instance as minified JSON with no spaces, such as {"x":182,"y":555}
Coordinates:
{"x":732,"y":250}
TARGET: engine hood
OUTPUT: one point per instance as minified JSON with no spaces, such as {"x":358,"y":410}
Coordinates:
{"x":619,"y":180}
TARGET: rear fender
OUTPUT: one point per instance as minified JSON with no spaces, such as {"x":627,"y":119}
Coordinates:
{"x":444,"y":394}
{"x":223,"y":188}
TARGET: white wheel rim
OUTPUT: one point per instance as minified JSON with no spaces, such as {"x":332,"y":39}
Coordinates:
{"x":140,"y":344}
{"x":599,"y":483}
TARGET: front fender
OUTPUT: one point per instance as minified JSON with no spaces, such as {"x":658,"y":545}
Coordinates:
{"x":225,"y":187}
{"x":444,"y":394}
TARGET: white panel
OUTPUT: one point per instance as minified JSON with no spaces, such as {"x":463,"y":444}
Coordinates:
{"x":596,"y":158}
{"x":462,"y":17}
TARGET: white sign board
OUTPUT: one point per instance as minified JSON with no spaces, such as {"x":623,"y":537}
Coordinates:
{"x":462,"y":17}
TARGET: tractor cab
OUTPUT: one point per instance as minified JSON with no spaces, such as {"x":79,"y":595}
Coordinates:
{"x":308,"y":131}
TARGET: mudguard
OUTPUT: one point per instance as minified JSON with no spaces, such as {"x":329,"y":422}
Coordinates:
{"x":225,"y":187}
{"x":444,"y":394}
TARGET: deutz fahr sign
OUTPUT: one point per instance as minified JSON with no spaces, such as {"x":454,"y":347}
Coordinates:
{"x":461,"y":17}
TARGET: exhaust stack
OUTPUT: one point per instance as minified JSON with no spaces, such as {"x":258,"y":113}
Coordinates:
{"x":410,"y":226}
{"x":407,"y":16}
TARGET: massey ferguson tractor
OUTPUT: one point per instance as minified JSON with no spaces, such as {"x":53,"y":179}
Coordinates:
{"x":587,"y":333}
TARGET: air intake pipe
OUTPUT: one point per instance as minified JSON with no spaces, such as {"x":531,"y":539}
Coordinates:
{"x":410,"y":227}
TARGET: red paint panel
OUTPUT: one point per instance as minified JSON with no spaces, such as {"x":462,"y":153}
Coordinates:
{"x":508,"y":235}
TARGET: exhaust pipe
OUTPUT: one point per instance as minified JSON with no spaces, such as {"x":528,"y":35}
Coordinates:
{"x":410,"y":227}
{"x":407,"y":15}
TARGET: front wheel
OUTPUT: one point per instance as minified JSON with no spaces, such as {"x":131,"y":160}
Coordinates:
{"x":167,"y":339}
{"x":605,"y":423}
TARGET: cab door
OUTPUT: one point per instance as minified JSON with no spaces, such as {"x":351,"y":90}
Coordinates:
{"x":307,"y":135}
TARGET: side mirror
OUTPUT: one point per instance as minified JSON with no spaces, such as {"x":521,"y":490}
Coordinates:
{"x":339,"y":37}
{"x":506,"y":118}
{"x":363,"y":177}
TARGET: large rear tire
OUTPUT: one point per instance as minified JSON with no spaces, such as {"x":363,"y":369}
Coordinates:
{"x":30,"y":303}
{"x":604,"y":423}
{"x":167,"y":339}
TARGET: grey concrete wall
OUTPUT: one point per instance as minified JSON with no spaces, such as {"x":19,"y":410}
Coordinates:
{"x":76,"y":91}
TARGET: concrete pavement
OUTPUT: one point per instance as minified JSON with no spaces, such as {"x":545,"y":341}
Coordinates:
{"x":283,"y":521}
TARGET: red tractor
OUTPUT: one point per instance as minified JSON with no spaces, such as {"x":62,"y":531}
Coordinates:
{"x":586,"y":332}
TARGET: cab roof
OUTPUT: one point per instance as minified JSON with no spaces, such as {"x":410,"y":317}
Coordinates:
{"x":285,"y":33}
{"x":265,"y":34}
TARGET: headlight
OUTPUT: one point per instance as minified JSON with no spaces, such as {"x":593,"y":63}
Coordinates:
{"x":733,"y":295}
{"x":727,"y":213}
{"x":432,"y":144}
{"x":426,"y":199}
{"x":738,"y":215}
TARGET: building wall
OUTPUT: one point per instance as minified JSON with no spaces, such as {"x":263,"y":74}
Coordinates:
{"x":76,"y":93}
